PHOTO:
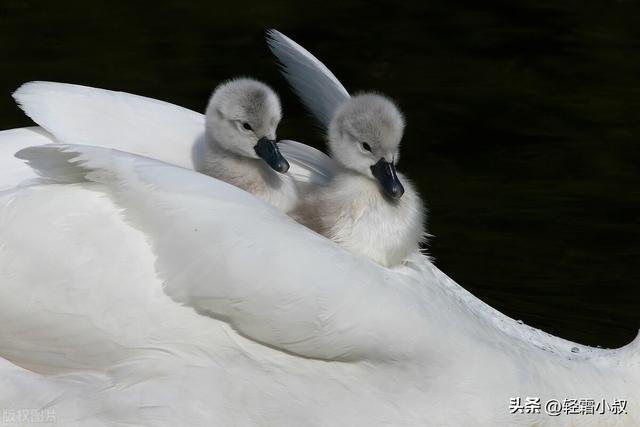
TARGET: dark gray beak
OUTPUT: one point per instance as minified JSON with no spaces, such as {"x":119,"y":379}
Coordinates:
{"x":385,"y":173}
{"x":268,"y":151}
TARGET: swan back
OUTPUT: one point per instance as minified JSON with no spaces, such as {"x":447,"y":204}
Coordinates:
{"x":406,"y":345}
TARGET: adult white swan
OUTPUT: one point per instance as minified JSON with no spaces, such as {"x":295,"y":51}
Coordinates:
{"x":293,"y":329}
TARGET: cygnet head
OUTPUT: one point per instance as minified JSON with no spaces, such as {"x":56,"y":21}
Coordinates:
{"x":242,"y":118}
{"x":365,"y":135}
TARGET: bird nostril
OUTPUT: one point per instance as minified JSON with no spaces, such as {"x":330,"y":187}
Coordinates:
{"x":283,"y":166}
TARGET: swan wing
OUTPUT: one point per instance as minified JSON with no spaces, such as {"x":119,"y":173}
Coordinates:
{"x":78,"y":284}
{"x":90,"y":116}
{"x":317,"y":87}
{"x":228,"y":255}
{"x":308,"y":165}
{"x":145,"y":126}
{"x":231,"y":256}
{"x":13,"y":172}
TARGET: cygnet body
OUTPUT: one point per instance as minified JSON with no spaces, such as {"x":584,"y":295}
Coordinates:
{"x":367,"y":207}
{"x":241,"y":121}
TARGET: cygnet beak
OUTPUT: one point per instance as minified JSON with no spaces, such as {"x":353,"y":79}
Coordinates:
{"x":268,"y":151}
{"x":385,"y":173}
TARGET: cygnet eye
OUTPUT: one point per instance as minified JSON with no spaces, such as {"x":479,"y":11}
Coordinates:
{"x":366,"y":146}
{"x":247,"y":126}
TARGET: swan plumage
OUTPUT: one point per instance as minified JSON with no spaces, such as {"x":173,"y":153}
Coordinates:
{"x":288,"y":328}
{"x":135,"y":290}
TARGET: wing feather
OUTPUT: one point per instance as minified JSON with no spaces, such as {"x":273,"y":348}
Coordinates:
{"x":318,"y":88}
{"x":229,"y":255}
{"x":308,"y":165}
{"x":132,"y":123}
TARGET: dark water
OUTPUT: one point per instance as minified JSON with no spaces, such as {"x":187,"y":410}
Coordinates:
{"x":523,"y":120}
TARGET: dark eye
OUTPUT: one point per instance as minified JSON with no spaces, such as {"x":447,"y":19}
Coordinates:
{"x":366,"y":146}
{"x":246,"y":125}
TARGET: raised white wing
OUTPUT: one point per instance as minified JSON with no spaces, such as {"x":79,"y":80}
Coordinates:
{"x":320,"y":91}
{"x":229,"y":255}
{"x":120,"y":120}
{"x":131,"y":123}
{"x":308,"y":165}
